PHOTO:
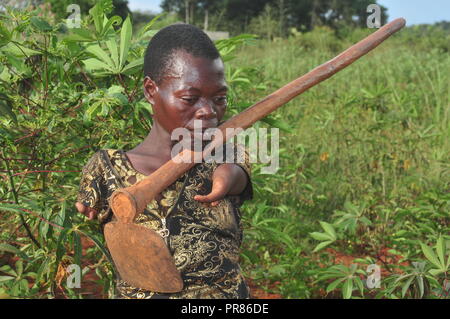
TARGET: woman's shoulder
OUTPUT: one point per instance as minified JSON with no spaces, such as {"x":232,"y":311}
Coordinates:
{"x":99,"y":160}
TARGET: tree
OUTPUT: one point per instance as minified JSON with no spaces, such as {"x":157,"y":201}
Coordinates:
{"x":238,"y":14}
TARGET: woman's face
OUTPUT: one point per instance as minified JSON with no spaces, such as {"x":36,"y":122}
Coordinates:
{"x":192,"y":89}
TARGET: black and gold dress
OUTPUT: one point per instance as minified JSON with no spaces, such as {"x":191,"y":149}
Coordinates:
{"x":203,"y":240}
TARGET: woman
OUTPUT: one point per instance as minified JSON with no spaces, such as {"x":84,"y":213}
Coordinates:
{"x":198,"y":215}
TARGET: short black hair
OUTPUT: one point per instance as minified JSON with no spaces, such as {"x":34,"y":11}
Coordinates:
{"x":173,"y":38}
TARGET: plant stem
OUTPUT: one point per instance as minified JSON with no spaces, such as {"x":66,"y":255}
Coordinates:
{"x":16,"y":200}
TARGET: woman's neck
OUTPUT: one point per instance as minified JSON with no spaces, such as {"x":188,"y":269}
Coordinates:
{"x":153,"y":151}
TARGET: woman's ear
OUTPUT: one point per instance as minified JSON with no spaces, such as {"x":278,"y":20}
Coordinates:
{"x":150,"y":89}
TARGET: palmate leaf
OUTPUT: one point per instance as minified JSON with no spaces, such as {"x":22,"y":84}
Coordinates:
{"x":95,"y":64}
{"x":125,"y":40}
{"x":329,"y":229}
{"x":134,"y":64}
{"x":98,"y":52}
{"x":431,"y":256}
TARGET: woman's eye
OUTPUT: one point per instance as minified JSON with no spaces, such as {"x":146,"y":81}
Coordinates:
{"x":221,"y":100}
{"x":189,"y":99}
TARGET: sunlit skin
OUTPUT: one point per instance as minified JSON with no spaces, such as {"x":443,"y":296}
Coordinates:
{"x":193,"y":89}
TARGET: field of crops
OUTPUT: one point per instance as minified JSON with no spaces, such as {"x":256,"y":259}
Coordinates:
{"x":360,"y":207}
{"x":364,"y":170}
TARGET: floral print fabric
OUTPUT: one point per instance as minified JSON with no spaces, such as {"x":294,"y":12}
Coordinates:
{"x":204,"y":240}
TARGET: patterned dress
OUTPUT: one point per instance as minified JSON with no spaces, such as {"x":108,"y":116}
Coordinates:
{"x":203,"y":240}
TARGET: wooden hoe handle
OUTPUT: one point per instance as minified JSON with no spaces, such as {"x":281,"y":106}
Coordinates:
{"x":127,"y":203}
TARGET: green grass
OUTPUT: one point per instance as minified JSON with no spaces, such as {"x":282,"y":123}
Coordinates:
{"x":375,"y":133}
{"x":364,"y":167}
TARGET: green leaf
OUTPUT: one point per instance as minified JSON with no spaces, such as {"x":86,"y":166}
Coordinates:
{"x":136,"y":63}
{"x":320,"y":236}
{"x":419,"y":281}
{"x":98,"y":244}
{"x":360,"y":285}
{"x":8,"y":270}
{"x":334,"y":284}
{"x":115,"y":20}
{"x":347,"y":289}
{"x":329,"y":229}
{"x":19,"y":267}
{"x":6,"y":278}
{"x":112,"y":47}
{"x":62,"y":215}
{"x":284,"y":126}
{"x":77,"y":248}
{"x":96,"y":13}
{"x":115,"y":89}
{"x":406,"y":286}
{"x":105,"y":110}
{"x":6,"y":108}
{"x":19,"y":50}
{"x":436,"y":272}
{"x":40,"y":24}
{"x":41,"y":269}
{"x":150,"y":24}
{"x":91,"y":111}
{"x":125,"y":40}
{"x":321,"y":246}
{"x":79,"y":35}
{"x":14,"y":250}
{"x":430,"y":255}
{"x":60,"y":248}
{"x":5,"y":35}
{"x":95,"y":64}
{"x":440,"y":249}
{"x":101,"y":55}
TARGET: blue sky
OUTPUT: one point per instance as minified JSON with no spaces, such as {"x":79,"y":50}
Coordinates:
{"x":143,"y":5}
{"x":418,"y":11}
{"x":414,"y":11}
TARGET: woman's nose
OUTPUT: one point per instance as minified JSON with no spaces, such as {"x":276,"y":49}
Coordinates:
{"x":205,"y":112}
